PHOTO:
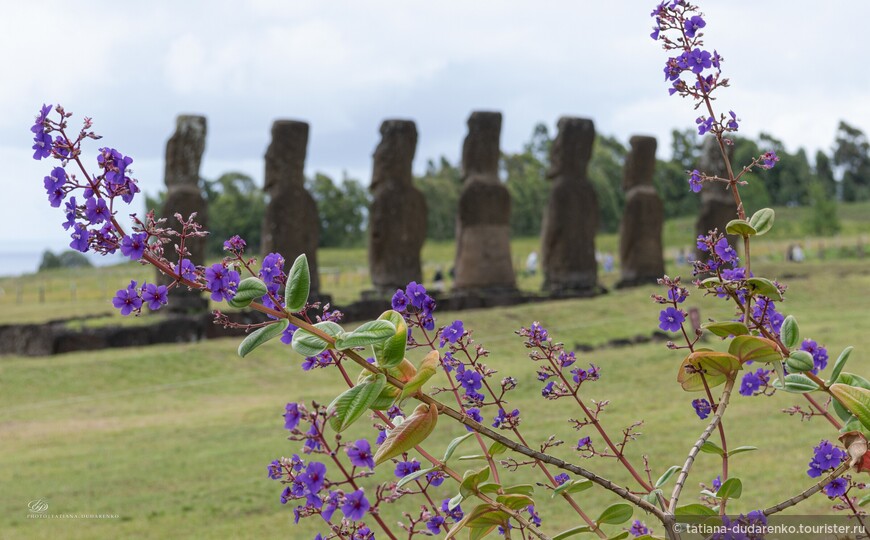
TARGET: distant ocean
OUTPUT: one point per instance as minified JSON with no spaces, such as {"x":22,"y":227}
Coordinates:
{"x":15,"y":263}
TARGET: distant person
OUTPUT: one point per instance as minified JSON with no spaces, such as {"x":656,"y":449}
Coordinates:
{"x":438,"y":280}
{"x":797,"y":254}
{"x":682,"y":259}
{"x":608,"y":263}
{"x":532,"y":263}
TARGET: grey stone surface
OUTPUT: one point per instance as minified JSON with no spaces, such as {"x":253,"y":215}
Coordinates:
{"x":571,"y":216}
{"x":397,"y":218}
{"x":640,"y":231}
{"x":717,"y":202}
{"x":183,"y":196}
{"x":483,"y":255}
{"x":291,"y":226}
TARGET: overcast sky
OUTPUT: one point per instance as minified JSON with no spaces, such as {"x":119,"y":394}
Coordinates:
{"x":344,"y":66}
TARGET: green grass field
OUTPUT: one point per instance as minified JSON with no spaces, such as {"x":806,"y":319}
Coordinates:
{"x":175,"y":439}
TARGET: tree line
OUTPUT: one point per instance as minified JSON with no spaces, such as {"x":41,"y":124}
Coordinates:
{"x":236,"y":204}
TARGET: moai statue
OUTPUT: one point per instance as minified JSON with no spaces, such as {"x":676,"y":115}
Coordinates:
{"x":640,"y":232}
{"x":571,"y":217}
{"x":717,"y":202}
{"x":291,"y":225}
{"x":483,"y":249}
{"x":183,"y":196}
{"x":397,"y":218}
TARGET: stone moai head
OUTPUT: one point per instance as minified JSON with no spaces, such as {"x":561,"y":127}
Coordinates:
{"x":480,"y":151}
{"x":640,"y":163}
{"x":572,"y":148}
{"x":184,"y":151}
{"x":395,"y":154}
{"x":285,"y":157}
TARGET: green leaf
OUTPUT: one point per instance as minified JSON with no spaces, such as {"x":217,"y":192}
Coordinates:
{"x":249,"y":290}
{"x":762,"y":221}
{"x":789,"y":332}
{"x":712,"y":448}
{"x":711,"y":282}
{"x":568,"y":533}
{"x":694,"y":510}
{"x":715,"y":366}
{"x":667,"y":476}
{"x":489,"y":487}
{"x":515,"y":501}
{"x":653,"y":496}
{"x":764,"y":287}
{"x":840,"y":363}
{"x":473,"y":457}
{"x":740,"y":227}
{"x":496,"y":448}
{"x":409,"y":433}
{"x":864,"y":500}
{"x":453,"y":445}
{"x":726,"y":328}
{"x":413,"y":476}
{"x":755,"y":349}
{"x":386,"y":398}
{"x":730,"y":489}
{"x":353,"y":402}
{"x":852,"y":380}
{"x":391,"y":352}
{"x":796,"y":383}
{"x":741,"y":449}
{"x":572,"y":486}
{"x":428,"y":368}
{"x":366,"y":334}
{"x":308,"y":344}
{"x":856,"y":400}
{"x":621,"y":536}
{"x":262,"y":335}
{"x":471,"y":480}
{"x":525,"y":489}
{"x":298,"y":285}
{"x":454,"y":502}
{"x":615,"y":514}
{"x":799,"y":361}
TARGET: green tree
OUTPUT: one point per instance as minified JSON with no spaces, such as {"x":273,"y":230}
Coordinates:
{"x":852,"y":155}
{"x":825,"y":174}
{"x":441,"y":186}
{"x":236,"y":205}
{"x":343,"y":210}
{"x":605,"y":173}
{"x":527,"y":182}
{"x":823,"y":218}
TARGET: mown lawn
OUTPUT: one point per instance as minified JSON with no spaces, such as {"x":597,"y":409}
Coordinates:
{"x":175,"y":439}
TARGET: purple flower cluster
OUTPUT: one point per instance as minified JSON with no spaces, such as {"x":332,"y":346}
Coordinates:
{"x":702,"y":408}
{"x":415,"y":296}
{"x":452,"y":333}
{"x":826,"y":457}
{"x":132,"y":298}
{"x":754,"y":382}
{"x":222,"y":282}
{"x":506,"y":420}
{"x":638,"y":528}
{"x":820,"y":354}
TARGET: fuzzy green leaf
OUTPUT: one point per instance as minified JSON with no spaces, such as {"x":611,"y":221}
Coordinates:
{"x":726,"y":328}
{"x":391,"y":352}
{"x":413,"y":476}
{"x":799,"y":361}
{"x":856,"y":400}
{"x":790,"y":333}
{"x":755,"y":349}
{"x":712,"y":448}
{"x":741,"y":449}
{"x":796,"y":383}
{"x":740,"y":227}
{"x":762,"y":221}
{"x":667,"y":476}
{"x":730,"y":489}
{"x":249,"y":290}
{"x":453,"y":445}
{"x":715,"y":366}
{"x":262,"y":335}
{"x":368,"y":333}
{"x":308,"y":344}
{"x":615,"y":514}
{"x":764,"y":287}
{"x":694,"y":510}
{"x":572,"y":532}
{"x":298,"y":285}
{"x":840,"y":364}
{"x":353,"y":402}
{"x":409,"y":433}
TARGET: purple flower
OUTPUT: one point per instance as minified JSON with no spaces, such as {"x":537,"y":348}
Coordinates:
{"x":470,"y":380}
{"x":820,"y":354}
{"x":275,"y":470}
{"x":826,"y":456}
{"x":736,"y":274}
{"x":291,"y":416}
{"x":330,"y":505}
{"x":697,"y":61}
{"x":435,"y":478}
{"x":80,"y":238}
{"x":41,"y":145}
{"x":236,"y":243}
{"x":704,"y":125}
{"x":452,"y":332}
{"x":70,"y":209}
{"x":39,"y":122}
{"x":382,"y":436}
{"x":584,"y":442}
{"x":769,"y":160}
{"x":695,"y":181}
{"x":363,"y":533}
{"x":538,"y":334}
{"x":287,"y":335}
{"x":561,"y":478}
{"x":692,"y":25}
{"x":567,"y":359}
{"x":272,"y":267}
{"x":133,"y":246}
{"x":724,"y":250}
{"x":638,"y":528}
{"x":127,"y":300}
{"x":355,"y":505}
{"x":222,"y":282}
{"x":732,"y":124}
{"x":96,"y":211}
{"x":186,"y":269}
{"x":671,"y":319}
{"x":547,"y":391}
{"x":154,"y":296}
{"x":533,"y":516}
{"x":717,"y":483}
{"x":836,"y":487}
{"x":360,"y":454}
{"x":404,"y":468}
{"x":314,"y":476}
{"x":702,"y":408}
{"x":506,"y":419}
{"x":456,"y":513}
{"x":416,"y":294}
{"x":434,"y":524}
{"x":399,"y":301}
{"x":752,"y":382}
